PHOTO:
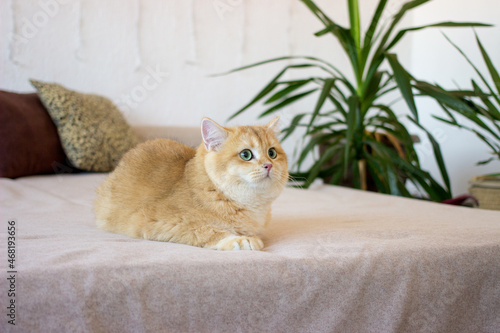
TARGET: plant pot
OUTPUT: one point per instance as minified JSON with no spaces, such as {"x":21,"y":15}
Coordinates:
{"x":486,"y":190}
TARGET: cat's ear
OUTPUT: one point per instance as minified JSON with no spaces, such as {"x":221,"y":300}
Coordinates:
{"x":213,"y":134}
{"x":273,"y":125}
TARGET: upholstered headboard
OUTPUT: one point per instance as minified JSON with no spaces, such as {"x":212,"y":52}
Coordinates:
{"x":190,"y":136}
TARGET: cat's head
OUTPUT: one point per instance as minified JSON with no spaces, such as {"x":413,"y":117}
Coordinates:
{"x":245,"y":157}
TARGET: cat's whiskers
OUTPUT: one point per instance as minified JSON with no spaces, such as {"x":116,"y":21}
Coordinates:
{"x":257,"y":175}
{"x":295,"y":182}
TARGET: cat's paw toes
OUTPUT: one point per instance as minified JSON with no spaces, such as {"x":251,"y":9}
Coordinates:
{"x":240,"y":243}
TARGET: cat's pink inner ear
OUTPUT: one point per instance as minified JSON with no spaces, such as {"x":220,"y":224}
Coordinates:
{"x":213,"y":135}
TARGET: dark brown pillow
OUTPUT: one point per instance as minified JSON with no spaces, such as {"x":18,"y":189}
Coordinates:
{"x":29,"y":141}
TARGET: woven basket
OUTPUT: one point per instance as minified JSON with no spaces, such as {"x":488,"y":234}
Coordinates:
{"x":487,"y":191}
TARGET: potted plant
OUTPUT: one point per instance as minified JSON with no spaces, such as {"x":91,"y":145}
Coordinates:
{"x":349,"y":117}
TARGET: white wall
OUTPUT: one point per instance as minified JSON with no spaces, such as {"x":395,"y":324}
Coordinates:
{"x":153,"y":57}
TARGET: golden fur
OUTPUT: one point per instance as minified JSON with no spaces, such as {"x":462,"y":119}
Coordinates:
{"x":209,"y":197}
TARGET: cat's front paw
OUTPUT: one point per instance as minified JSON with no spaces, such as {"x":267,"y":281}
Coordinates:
{"x":239,"y":243}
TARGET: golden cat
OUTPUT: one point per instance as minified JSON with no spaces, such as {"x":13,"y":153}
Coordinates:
{"x":217,"y":196}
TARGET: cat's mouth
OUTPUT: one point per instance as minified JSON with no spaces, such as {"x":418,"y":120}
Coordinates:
{"x":261,"y":177}
{"x":268,"y":176}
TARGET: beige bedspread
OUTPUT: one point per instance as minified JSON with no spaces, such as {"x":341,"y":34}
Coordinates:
{"x":336,"y":260}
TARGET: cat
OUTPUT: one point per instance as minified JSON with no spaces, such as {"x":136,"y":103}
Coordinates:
{"x":217,"y":196}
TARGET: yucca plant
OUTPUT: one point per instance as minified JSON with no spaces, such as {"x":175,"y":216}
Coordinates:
{"x":348,"y":115}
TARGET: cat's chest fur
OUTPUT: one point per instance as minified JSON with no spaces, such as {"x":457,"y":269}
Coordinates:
{"x":243,"y":206}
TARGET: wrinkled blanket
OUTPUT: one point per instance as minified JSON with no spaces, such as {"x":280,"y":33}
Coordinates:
{"x":335,"y":260}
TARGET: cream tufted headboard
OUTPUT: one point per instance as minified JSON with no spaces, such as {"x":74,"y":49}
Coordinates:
{"x":190,"y":136}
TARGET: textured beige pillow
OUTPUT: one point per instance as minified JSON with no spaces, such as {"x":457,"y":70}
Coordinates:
{"x":93,"y":132}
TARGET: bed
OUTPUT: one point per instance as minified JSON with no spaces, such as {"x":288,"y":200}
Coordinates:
{"x":335,"y":260}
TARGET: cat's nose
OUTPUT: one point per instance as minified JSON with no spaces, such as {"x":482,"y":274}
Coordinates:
{"x":268,"y":167}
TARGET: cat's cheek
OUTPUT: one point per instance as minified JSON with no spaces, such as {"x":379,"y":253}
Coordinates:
{"x":233,"y":172}
{"x":238,"y":171}
{"x":248,"y":180}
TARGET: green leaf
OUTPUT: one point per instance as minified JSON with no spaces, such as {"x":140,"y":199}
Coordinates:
{"x":466,"y":93}
{"x":403,"y":80}
{"x":342,"y":34}
{"x":255,"y":65}
{"x":355,"y":28}
{"x":448,"y":112}
{"x":371,"y":31}
{"x":402,"y":32}
{"x":313,"y":142}
{"x":347,"y":84}
{"x":493,"y":113}
{"x":393,"y":181}
{"x":285,"y":91}
{"x":267,"y":89}
{"x":385,"y":91}
{"x":437,"y":154}
{"x":336,"y":175}
{"x":491,"y":68}
{"x":338,"y":106}
{"x":485,"y":161}
{"x":325,"y":91}
{"x":377,"y":172}
{"x":464,"y":107}
{"x":475,"y":68}
{"x":496,"y":150}
{"x":318,"y":12}
{"x":443,"y":96}
{"x":371,"y":91}
{"x":293,"y":125}
{"x":327,"y":155}
{"x":286,"y":102}
{"x":327,"y":126}
{"x":450,"y":122}
{"x":330,"y":69}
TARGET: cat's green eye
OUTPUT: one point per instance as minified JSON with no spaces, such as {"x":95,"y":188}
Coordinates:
{"x":246,"y":155}
{"x":272,"y":153}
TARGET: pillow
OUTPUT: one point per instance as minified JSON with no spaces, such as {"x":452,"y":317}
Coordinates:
{"x":29,"y":143}
{"x":93,"y":132}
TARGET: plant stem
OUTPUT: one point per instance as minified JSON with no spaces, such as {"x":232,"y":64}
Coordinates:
{"x":362,"y":174}
{"x":355,"y":31}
